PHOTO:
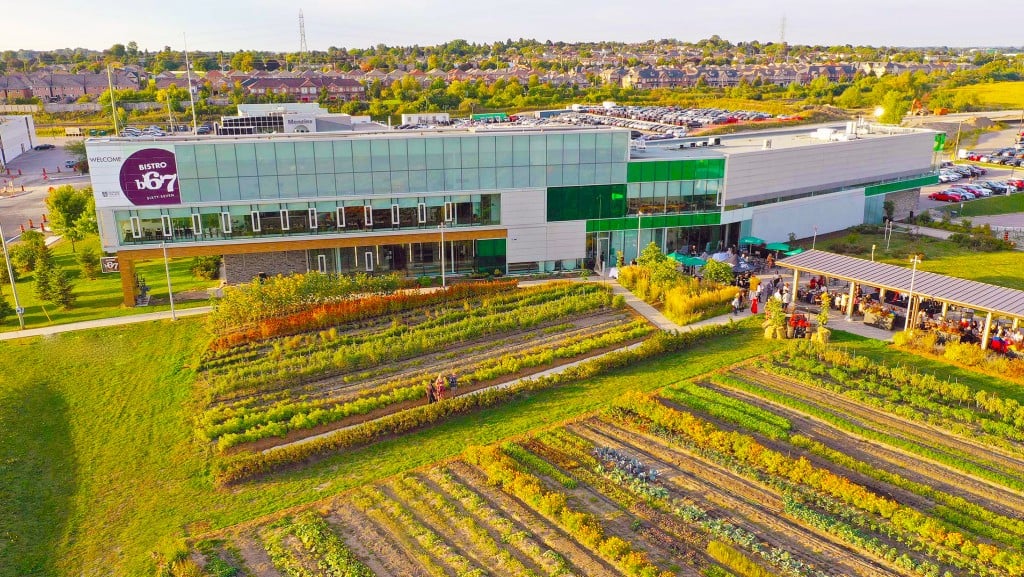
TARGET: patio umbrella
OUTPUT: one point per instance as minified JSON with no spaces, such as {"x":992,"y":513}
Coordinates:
{"x":693,"y":261}
{"x":794,"y":252}
{"x":743,"y":267}
{"x":751,"y":240}
{"x":778,"y":246}
{"x":678,"y":257}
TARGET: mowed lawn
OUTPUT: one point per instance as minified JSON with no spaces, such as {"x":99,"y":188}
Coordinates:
{"x":99,"y":469}
{"x":1001,"y":268}
{"x":1004,"y":204}
{"x":102,"y":297}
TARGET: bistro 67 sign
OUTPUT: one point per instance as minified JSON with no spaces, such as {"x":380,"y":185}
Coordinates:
{"x":129,"y":175}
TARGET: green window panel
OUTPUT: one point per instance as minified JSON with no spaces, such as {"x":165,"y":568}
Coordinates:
{"x":675,"y":170}
{"x":490,"y":247}
{"x":586,"y":202}
{"x":661,"y":171}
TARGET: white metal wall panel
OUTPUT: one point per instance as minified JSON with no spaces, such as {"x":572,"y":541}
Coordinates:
{"x":524,"y":207}
{"x":771,"y":173}
{"x":16,"y":135}
{"x":830,"y":212}
{"x":567,"y":240}
{"x":526,"y":244}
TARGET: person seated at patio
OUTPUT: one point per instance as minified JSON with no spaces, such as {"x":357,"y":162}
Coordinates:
{"x":813,"y":284}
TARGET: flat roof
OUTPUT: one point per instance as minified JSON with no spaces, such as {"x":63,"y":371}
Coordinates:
{"x":754,"y":140}
{"x":359,"y":132}
{"x":956,"y":291}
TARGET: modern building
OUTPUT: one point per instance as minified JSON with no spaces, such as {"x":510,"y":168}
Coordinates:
{"x":516,"y":199}
{"x":16,"y":135}
{"x":299,"y":117}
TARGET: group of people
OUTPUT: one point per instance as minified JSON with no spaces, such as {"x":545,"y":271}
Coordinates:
{"x":442,"y":387}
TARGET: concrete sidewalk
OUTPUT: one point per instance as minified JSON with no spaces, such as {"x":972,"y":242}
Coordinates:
{"x":100,"y":323}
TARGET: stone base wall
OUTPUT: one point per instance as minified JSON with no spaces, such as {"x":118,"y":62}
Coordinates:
{"x":905,"y":201}
{"x":240,"y":268}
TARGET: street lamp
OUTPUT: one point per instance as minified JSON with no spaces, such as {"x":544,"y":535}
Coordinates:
{"x":443,"y":280}
{"x":10,"y":275}
{"x":910,"y":297}
{"x":167,"y":271}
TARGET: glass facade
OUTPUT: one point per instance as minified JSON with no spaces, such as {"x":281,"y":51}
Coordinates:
{"x":374,"y":214}
{"x":419,"y":259}
{"x":654,"y":188}
{"x":295,"y":169}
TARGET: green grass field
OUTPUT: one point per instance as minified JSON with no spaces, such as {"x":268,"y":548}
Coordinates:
{"x":991,"y":205}
{"x":100,"y":298}
{"x":100,"y":469}
{"x":940,"y":256}
{"x":995,"y":94}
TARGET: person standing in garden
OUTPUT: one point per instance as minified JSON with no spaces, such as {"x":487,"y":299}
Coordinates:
{"x":439,"y":387}
{"x":736,"y":304}
{"x":430,"y":393}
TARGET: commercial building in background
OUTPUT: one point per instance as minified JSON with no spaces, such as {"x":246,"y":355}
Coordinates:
{"x":515,"y":199}
{"x":17,"y":135}
{"x":298,"y":117}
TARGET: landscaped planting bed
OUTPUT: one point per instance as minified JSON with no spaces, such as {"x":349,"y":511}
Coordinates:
{"x":356,"y":368}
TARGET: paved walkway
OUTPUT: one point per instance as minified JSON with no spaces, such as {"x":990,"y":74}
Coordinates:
{"x":99,"y":323}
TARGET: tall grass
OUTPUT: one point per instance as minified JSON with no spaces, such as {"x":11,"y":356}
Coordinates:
{"x":683,"y":299}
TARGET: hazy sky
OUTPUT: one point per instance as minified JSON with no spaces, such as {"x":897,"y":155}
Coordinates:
{"x":273,"y":25}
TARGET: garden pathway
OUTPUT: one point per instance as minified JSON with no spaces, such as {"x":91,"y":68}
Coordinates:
{"x":99,"y":323}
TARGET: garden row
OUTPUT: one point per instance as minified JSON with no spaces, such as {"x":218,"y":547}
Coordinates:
{"x":301,"y":360}
{"x":230,"y":425}
{"x":247,"y":465}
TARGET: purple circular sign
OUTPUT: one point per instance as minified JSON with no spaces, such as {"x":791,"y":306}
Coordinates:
{"x":150,"y":176}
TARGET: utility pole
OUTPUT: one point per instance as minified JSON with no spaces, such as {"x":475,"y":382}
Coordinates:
{"x":188,"y":75}
{"x":10,"y":275}
{"x":113,"y":106}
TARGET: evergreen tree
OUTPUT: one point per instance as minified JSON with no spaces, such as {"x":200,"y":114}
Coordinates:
{"x":6,"y":310}
{"x":89,"y":260}
{"x":61,"y":289}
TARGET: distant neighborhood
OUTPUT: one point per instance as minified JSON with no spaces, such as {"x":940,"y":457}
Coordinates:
{"x":53,"y":85}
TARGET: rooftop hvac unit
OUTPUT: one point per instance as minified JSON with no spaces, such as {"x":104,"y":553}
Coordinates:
{"x":767,"y":144}
{"x":714,"y":141}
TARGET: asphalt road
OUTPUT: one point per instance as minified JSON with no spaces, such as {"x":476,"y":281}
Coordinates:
{"x":18,"y":209}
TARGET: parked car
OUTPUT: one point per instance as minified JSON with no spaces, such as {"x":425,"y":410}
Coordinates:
{"x":977,"y":190}
{"x":940,"y":195}
{"x":1016,"y":183}
{"x":44,"y":147}
{"x":995,"y":187}
{"x":70,"y":163}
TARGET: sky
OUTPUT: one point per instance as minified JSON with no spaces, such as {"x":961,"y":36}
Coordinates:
{"x":273,"y":25}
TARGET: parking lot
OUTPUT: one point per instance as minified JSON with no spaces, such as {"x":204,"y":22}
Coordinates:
{"x":17,"y":207}
{"x":991,"y":174}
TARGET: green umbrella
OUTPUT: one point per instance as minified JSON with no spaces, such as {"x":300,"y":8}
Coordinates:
{"x":778,"y":246}
{"x":693,"y":261}
{"x":677,"y":257}
{"x":751,"y":240}
{"x":794,"y":252}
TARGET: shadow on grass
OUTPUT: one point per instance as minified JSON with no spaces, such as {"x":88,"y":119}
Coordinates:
{"x":38,"y":476}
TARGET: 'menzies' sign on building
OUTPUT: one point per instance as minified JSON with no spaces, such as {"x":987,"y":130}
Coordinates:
{"x":139,"y":176}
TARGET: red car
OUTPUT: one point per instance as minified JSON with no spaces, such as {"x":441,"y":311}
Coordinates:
{"x":940,"y":195}
{"x":1018,"y":182}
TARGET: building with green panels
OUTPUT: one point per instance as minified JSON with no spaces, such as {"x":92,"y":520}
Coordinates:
{"x":514,"y":199}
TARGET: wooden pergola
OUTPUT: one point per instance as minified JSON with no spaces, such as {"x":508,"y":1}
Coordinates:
{"x":920,"y":285}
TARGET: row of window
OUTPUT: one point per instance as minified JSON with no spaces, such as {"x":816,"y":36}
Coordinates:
{"x":396,"y":182}
{"x":388,"y":154}
{"x":219,"y":223}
